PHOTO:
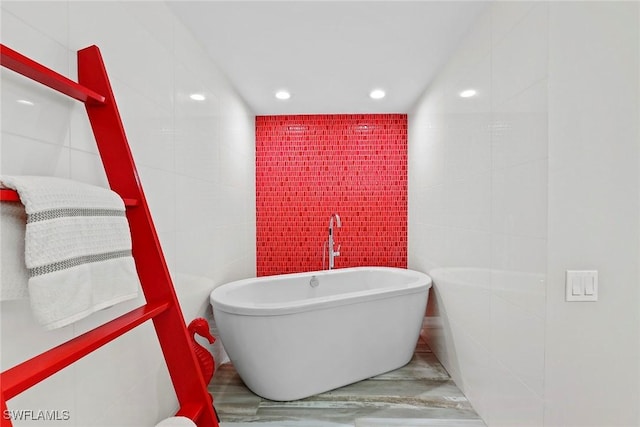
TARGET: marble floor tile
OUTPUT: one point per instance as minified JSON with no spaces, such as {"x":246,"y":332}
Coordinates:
{"x":418,"y":394}
{"x":295,"y":423}
{"x":421,"y":422}
{"x":423,"y":366}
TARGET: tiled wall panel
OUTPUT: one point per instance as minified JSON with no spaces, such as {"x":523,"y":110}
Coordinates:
{"x":309,"y":166}
{"x":511,"y":188}
{"x":196,"y":164}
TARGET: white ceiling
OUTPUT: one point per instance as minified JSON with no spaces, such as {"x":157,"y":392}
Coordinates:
{"x":329,"y":54}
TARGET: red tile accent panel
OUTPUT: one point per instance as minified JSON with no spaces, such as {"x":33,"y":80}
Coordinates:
{"x":309,"y":166}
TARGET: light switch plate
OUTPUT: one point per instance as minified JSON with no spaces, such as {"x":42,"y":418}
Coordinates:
{"x":582,"y":285}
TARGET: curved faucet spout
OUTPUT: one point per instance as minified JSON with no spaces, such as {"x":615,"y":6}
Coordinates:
{"x":338,"y":222}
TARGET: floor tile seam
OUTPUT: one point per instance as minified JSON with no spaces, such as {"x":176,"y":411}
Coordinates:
{"x":435,"y":381}
{"x":372,"y":400}
{"x":417,"y":379}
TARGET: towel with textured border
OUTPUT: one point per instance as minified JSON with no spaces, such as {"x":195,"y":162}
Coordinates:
{"x":77,"y":248}
{"x":14,"y":277}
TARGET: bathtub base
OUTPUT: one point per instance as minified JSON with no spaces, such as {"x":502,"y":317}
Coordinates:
{"x":283,"y":358}
{"x":294,"y":354}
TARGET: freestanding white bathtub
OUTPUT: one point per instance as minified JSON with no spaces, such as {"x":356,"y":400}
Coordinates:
{"x":289,"y":340}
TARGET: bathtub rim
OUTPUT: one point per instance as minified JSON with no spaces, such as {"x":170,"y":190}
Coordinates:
{"x":422,"y":283}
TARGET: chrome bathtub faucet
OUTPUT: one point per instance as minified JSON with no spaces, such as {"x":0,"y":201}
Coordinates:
{"x":332,"y":252}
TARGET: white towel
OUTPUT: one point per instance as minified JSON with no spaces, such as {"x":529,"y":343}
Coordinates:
{"x":77,"y":248}
{"x":14,"y":276}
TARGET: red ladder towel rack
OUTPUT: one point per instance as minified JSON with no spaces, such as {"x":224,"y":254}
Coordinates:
{"x":94,"y":90}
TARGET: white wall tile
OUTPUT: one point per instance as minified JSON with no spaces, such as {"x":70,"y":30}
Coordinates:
{"x":28,"y":339}
{"x":470,"y":306}
{"x":195,"y":251}
{"x":475,"y":360}
{"x":507,"y":14}
{"x":24,"y":156}
{"x":80,"y":134}
{"x":429,"y":206}
{"x":46,"y":17}
{"x":54,"y":388}
{"x":519,"y":59}
{"x":493,"y":221}
{"x":190,"y":54}
{"x":524,"y":290}
{"x":131,"y":53}
{"x":19,"y":35}
{"x":513,"y":253}
{"x":593,"y":212}
{"x":196,"y":127}
{"x":519,"y":128}
{"x":159,"y":21}
{"x":206,"y":224}
{"x":467,"y":151}
{"x":118,"y":373}
{"x":427,"y":246}
{"x":564,"y":165}
{"x":517,"y":341}
{"x":33,"y":111}
{"x":519,"y":200}
{"x":473,"y":49}
{"x":512,"y":403}
{"x":160,"y":191}
{"x":468,"y":203}
{"x":197,"y":202}
{"x":87,"y":167}
{"x":467,"y":248}
{"x":149,"y":128}
{"x":426,"y":145}
{"x":46,"y":118}
{"x":437,"y":329}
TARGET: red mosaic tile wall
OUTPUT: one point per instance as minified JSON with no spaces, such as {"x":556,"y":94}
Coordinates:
{"x":309,"y":166}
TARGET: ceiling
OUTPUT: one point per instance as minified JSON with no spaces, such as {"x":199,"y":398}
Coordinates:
{"x":328,"y":54}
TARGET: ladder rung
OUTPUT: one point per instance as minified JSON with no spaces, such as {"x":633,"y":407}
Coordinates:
{"x":154,"y":275}
{"x":38,"y":72}
{"x":7,"y":195}
{"x":19,"y":378}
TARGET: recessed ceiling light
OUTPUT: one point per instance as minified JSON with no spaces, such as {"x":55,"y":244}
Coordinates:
{"x":283,"y":94}
{"x":377,"y":94}
{"x":468,"y":93}
{"x":197,"y":97}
